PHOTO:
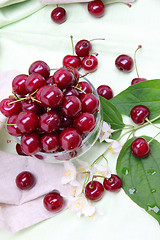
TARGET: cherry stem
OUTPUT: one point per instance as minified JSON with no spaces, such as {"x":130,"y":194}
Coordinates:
{"x":139,"y":46}
{"x":151,"y":123}
{"x":79,"y":89}
{"x":75,"y":77}
{"x":16,"y":96}
{"x":72,"y":44}
{"x":153,"y":138}
{"x":8,"y":123}
{"x":129,"y":5}
{"x":96,"y":39}
{"x":11,"y":141}
{"x":18,"y":100}
{"x":84,"y":75}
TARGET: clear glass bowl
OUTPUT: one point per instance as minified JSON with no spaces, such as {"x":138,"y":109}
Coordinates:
{"x":87,"y":142}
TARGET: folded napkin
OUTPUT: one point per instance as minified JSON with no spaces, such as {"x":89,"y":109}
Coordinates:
{"x":21,"y":209}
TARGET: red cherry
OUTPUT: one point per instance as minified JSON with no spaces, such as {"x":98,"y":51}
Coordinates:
{"x":63,"y":78}
{"x":113,"y":183}
{"x":18,"y":84}
{"x":10,"y":107}
{"x":50,"y":80}
{"x":70,"y":139}
{"x":13,"y":129}
{"x":96,"y":8}
{"x":90,"y":63}
{"x":105,"y":91}
{"x":71,"y":106}
{"x":90,"y":103}
{"x":25,"y":180}
{"x":40,"y":67}
{"x":83,"y":48}
{"x":85,"y":122}
{"x":72,"y":61}
{"x":19,"y":150}
{"x":53,"y":202}
{"x":59,"y":15}
{"x":140,"y":148}
{"x":139,"y":113}
{"x":75,"y":74}
{"x":49,"y":122}
{"x":27,"y":122}
{"x":94,"y":190}
{"x":85,"y":87}
{"x":50,"y":142}
{"x":137,"y":80}
{"x":38,"y":96}
{"x":30,"y":143}
{"x":51,"y":96}
{"x":124,"y":63}
{"x":71,"y":92}
{"x":34,"y":82}
{"x":32,"y":106}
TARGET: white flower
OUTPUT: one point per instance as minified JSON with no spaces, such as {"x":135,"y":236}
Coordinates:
{"x":104,"y":171}
{"x":81,"y":206}
{"x":105,"y":132}
{"x":115,"y":146}
{"x":69,"y":174}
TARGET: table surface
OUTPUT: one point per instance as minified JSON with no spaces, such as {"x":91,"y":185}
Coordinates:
{"x":37,"y":37}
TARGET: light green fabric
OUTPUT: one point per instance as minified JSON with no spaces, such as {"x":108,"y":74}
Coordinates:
{"x":5,"y":3}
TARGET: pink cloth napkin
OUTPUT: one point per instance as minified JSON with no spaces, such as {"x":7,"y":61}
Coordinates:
{"x":20,"y":209}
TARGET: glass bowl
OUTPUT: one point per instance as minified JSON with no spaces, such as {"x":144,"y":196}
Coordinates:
{"x":86,"y":145}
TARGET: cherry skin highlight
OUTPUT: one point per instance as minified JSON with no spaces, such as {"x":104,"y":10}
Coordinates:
{"x":96,"y":8}
{"x":25,"y":180}
{"x":50,"y":142}
{"x":59,"y":15}
{"x":94,"y":190}
{"x":139,"y":113}
{"x":124,"y":63}
{"x":113,"y":183}
{"x":140,"y":148}
{"x":53,"y":202}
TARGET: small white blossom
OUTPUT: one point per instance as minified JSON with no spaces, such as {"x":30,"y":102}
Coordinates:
{"x":105,"y":132}
{"x":115,"y":146}
{"x":101,"y":170}
{"x":70,"y":173}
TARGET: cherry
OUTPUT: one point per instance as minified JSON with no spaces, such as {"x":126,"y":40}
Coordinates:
{"x":19,"y":150}
{"x":72,"y":61}
{"x":32,"y":106}
{"x":96,"y":8}
{"x":38,"y":96}
{"x":71,"y":106}
{"x":50,"y":80}
{"x":71,"y":92}
{"x":137,"y":80}
{"x":113,"y":183}
{"x":34,"y":82}
{"x":51,"y":96}
{"x":50,"y":142}
{"x":70,"y":139}
{"x":13,"y":129}
{"x":18,"y":84}
{"x":90,"y":63}
{"x":59,"y":15}
{"x":85,"y":122}
{"x":66,"y":121}
{"x":53,"y":201}
{"x":25,"y":180}
{"x":139,"y":113}
{"x":140,"y":148}
{"x":27,"y":122}
{"x":124,"y":63}
{"x":30,"y":143}
{"x":83,"y":48}
{"x":49,"y":122}
{"x":85,"y":87}
{"x":10,"y":107}
{"x":75,"y":74}
{"x":105,"y":91}
{"x":94,"y":190}
{"x":40,"y":67}
{"x":63,"y":78}
{"x":90,"y":103}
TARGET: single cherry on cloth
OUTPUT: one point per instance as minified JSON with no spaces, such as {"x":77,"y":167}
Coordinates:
{"x":63,"y":78}
{"x":70,"y":139}
{"x":12,"y":126}
{"x":25,"y":180}
{"x":34,"y":82}
{"x":27,"y":122}
{"x":53,"y":201}
{"x":49,"y":122}
{"x":90,"y":103}
{"x":105,"y":91}
{"x":83,"y":48}
{"x":72,"y":61}
{"x":71,"y":106}
{"x":113,"y":183}
{"x":30,"y":143}
{"x":94,"y":190}
{"x":40,"y":67}
{"x":140,"y":148}
{"x":50,"y":142}
{"x":124,"y":63}
{"x":89,"y":63}
{"x":96,"y":8}
{"x":139,"y":113}
{"x":10,"y":107}
{"x":59,"y":15}
{"x":51,"y":96}
{"x":18,"y":84}
{"x":137,"y":80}
{"x":85,"y":122}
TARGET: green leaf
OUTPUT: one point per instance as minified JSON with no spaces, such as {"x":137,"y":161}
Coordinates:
{"x":141,"y":177}
{"x":145,"y":93}
{"x":112,"y":116}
